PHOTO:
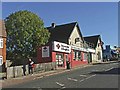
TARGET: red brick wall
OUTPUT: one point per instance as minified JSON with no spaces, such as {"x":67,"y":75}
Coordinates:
{"x":45,"y":59}
{"x":3,"y":50}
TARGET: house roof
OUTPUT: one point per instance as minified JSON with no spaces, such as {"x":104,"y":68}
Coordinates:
{"x":92,"y":39}
{"x":62,"y":32}
{"x":2,"y":29}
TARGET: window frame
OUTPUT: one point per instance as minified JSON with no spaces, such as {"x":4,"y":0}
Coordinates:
{"x":1,"y":42}
{"x":77,"y":55}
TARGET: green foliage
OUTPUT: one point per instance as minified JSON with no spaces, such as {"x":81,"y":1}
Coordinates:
{"x":25,"y":32}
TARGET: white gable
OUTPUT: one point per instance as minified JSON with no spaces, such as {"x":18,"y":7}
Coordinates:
{"x":73,"y":40}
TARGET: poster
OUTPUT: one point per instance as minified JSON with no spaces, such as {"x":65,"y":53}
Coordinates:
{"x":45,"y":51}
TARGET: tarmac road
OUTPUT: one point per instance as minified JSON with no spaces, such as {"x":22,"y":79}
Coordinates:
{"x":95,"y":76}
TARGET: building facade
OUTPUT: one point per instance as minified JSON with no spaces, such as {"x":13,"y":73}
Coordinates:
{"x":95,"y":46}
{"x":65,"y":44}
{"x":2,"y":43}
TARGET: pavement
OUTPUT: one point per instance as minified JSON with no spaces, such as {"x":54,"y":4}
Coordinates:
{"x":13,"y":81}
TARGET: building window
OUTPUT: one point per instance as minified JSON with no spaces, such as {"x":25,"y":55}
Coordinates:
{"x":1,"y":43}
{"x":1,"y":60}
{"x":85,"y":56}
{"x":77,"y":55}
{"x":77,"y":40}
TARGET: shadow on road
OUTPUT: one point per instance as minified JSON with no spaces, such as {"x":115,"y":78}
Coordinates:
{"x":115,"y":71}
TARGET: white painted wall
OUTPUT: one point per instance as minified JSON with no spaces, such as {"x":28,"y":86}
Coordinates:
{"x":98,"y":49}
{"x":75,"y":34}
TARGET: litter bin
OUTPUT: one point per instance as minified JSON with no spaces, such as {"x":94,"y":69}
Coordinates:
{"x":68,"y":64}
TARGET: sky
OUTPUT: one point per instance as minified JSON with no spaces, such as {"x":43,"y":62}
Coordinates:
{"x":93,"y":17}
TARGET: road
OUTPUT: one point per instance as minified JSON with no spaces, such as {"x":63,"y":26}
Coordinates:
{"x":95,"y":76}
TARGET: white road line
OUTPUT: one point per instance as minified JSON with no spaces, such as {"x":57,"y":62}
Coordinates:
{"x":90,"y":76}
{"x":59,"y":84}
{"x":82,"y":80}
{"x":63,"y":87}
{"x":73,"y":79}
{"x":87,"y":78}
{"x":82,"y":75}
{"x":109,"y":69}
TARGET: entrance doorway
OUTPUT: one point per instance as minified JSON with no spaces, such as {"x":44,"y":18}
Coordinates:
{"x":59,"y":60}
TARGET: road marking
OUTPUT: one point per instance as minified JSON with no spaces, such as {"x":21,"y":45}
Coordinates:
{"x":87,"y":78}
{"x":59,"y":84}
{"x":82,"y":80}
{"x":73,"y":79}
{"x":82,"y":75}
{"x":63,"y":87}
{"x":90,"y":76}
{"x":109,"y":69}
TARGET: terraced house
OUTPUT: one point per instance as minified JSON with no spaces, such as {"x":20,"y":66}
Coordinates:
{"x":2,"y":44}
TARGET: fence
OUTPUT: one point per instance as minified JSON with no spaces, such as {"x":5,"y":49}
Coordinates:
{"x":17,"y":71}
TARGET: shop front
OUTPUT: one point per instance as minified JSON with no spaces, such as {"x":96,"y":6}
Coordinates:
{"x":55,"y":52}
{"x":61,"y":53}
{"x":79,"y":56}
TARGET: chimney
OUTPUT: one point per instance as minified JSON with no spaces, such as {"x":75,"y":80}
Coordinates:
{"x":53,"y":25}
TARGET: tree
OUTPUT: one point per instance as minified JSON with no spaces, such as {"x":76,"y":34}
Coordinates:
{"x":25,"y":32}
